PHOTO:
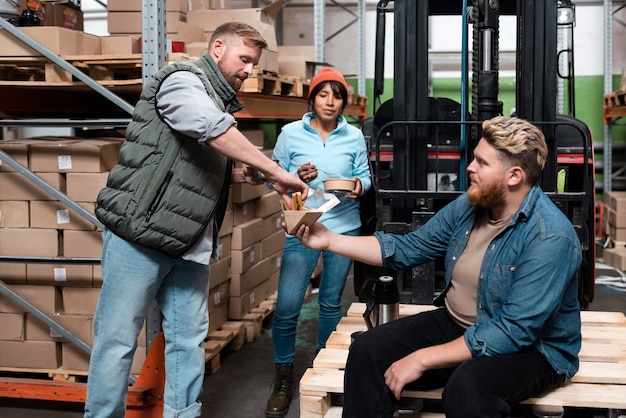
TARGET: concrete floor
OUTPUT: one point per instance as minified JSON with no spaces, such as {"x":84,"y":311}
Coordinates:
{"x":240,"y":387}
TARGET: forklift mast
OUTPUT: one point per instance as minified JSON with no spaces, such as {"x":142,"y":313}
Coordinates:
{"x":420,"y":145}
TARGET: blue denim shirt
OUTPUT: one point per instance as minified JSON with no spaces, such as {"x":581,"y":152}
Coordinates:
{"x":528,"y":284}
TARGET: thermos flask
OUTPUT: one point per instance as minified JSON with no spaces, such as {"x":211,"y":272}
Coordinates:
{"x":384,"y":305}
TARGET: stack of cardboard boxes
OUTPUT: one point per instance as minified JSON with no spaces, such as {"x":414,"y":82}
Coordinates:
{"x":615,"y":227}
{"x":35,"y":224}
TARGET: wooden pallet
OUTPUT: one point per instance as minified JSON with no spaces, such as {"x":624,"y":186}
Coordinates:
{"x":230,"y":337}
{"x":599,"y":383}
{"x":615,"y":99}
{"x":258,"y":317}
{"x":270,"y":83}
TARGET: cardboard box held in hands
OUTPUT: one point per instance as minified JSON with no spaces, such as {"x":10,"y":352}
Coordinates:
{"x":315,"y":205}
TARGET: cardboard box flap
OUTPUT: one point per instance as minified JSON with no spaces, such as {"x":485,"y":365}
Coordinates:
{"x":273,"y":9}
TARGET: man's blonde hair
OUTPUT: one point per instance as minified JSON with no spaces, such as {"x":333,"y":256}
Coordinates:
{"x":233,"y":29}
{"x":519,"y":142}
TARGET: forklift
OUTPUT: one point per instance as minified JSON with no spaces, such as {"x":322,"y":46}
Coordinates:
{"x":420,"y":146}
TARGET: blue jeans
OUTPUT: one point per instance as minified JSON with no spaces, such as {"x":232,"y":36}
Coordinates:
{"x":134,"y":276}
{"x":297,"y":265}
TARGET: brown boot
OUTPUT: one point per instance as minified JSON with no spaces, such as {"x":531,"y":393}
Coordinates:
{"x":278,"y":403}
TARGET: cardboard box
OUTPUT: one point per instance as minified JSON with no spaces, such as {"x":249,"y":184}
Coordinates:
{"x":219,"y":295}
{"x":14,"y":186}
{"x":218,"y":317}
{"x":17,"y":150}
{"x":30,"y":354}
{"x":315,"y":206}
{"x":220,"y":272}
{"x":298,"y":61}
{"x":197,"y":49}
{"x":74,"y":155}
{"x":84,"y":187}
{"x":80,"y":300}
{"x":130,"y":22}
{"x":82,"y":244}
{"x":244,"y":192}
{"x":242,"y":283}
{"x":50,"y":214}
{"x":79,"y":275}
{"x":13,"y":273}
{"x":247,"y":233}
{"x":224,"y":246}
{"x":617,"y":219}
{"x":239,"y":306}
{"x":272,"y":223}
{"x":12,"y":327}
{"x":268,"y":204}
{"x":120,"y":44}
{"x":242,"y":260}
{"x":272,"y":244}
{"x":60,"y":41}
{"x":243,"y":212}
{"x":45,"y":298}
{"x":135,"y":5}
{"x":615,"y":257}
{"x":275,"y":261}
{"x":14,"y":214}
{"x":616,"y":200}
{"x":26,"y":242}
{"x":73,"y":358}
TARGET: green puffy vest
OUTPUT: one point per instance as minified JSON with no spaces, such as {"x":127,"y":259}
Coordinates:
{"x":166,"y":186}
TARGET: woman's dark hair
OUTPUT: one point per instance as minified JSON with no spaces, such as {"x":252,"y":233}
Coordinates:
{"x":335,"y":86}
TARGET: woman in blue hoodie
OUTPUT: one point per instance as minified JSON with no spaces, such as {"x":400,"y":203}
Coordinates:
{"x":320,"y":146}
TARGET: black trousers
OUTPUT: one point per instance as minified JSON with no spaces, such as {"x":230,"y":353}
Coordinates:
{"x":480,"y":387}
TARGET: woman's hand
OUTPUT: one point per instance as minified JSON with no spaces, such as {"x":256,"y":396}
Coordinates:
{"x":358,"y":189}
{"x":307,"y":172}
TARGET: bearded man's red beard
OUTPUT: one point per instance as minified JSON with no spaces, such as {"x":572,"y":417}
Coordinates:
{"x":487,"y":196}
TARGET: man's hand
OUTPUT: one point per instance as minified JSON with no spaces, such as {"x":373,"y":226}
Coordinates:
{"x":316,"y":236}
{"x":283,"y":182}
{"x":402,"y":372}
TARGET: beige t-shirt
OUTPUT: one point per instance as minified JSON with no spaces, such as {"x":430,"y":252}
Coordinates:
{"x":461,"y":296}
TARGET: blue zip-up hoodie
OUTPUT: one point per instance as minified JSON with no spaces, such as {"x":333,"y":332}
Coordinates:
{"x":343,"y":155}
{"x":528,"y":283}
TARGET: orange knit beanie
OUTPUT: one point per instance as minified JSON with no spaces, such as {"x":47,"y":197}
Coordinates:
{"x":327,"y":74}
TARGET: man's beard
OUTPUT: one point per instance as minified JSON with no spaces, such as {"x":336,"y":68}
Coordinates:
{"x":487,"y":197}
{"x":232,"y":79}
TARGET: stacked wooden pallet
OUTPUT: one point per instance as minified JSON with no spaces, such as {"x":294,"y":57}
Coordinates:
{"x":599,"y":384}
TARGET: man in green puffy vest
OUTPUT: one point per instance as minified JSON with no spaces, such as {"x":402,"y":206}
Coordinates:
{"x":162,"y":209}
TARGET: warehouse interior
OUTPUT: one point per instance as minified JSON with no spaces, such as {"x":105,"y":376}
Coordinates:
{"x":68,"y":84}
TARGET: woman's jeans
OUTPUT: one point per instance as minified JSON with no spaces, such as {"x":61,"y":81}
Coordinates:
{"x":297,"y":265}
{"x":480,"y":387}
{"x":134,"y":276}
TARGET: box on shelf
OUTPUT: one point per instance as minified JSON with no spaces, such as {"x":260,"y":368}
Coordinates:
{"x":45,"y":298}
{"x":84,"y":187}
{"x":17,"y":150}
{"x":30,"y":354}
{"x":74,"y":155}
{"x":13,"y":273}
{"x":61,"y":41}
{"x":130,"y":22}
{"x":79,"y":275}
{"x":242,"y":283}
{"x":247,"y":233}
{"x":27,"y":242}
{"x":54,"y":214}
{"x":14,"y":214}
{"x":220,"y":271}
{"x":135,"y":5}
{"x":14,"y":186}
{"x":80,"y":300}
{"x":82,"y":243}
{"x":120,"y":44}
{"x":298,"y":61}
{"x":12,"y":327}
